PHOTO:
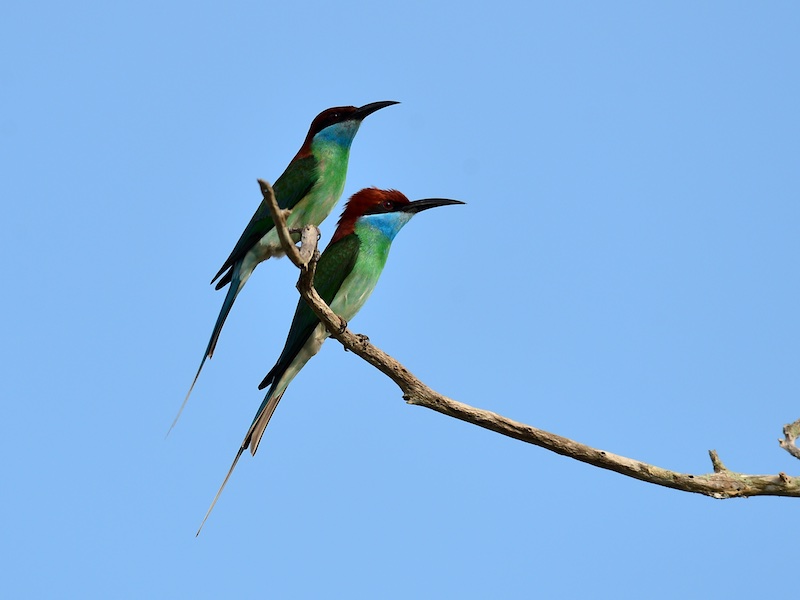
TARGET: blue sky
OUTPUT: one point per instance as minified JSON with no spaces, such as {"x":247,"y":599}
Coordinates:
{"x":624,"y":274}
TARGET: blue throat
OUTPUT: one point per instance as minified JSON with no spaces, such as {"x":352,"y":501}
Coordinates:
{"x":387,"y":223}
{"x":341,"y":134}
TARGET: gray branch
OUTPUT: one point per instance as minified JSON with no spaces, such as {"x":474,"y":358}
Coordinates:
{"x":789,"y":442}
{"x":721,"y":483}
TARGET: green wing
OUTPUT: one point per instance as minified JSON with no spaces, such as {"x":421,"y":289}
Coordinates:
{"x":335,"y":264}
{"x":291,"y":187}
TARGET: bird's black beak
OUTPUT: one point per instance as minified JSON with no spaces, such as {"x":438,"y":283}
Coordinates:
{"x":362,"y":112}
{"x":420,"y":205}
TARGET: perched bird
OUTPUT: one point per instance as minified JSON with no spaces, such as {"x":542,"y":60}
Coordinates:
{"x":310,"y":187}
{"x":346,"y":274}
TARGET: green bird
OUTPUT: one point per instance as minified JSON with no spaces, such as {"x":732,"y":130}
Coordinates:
{"x":346,"y":275}
{"x":310,"y":187}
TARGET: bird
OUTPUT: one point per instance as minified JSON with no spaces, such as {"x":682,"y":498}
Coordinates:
{"x":346,"y":275}
{"x":309,"y":187}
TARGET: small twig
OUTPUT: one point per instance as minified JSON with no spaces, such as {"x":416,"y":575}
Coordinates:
{"x":716,"y":462}
{"x":279,"y":218}
{"x":309,"y":236}
{"x":723,"y":483}
{"x":791,"y":432}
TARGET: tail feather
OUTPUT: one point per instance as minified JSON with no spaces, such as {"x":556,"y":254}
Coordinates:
{"x":268,"y":379}
{"x":251,"y":440}
{"x":189,"y":393}
{"x":237,"y":283}
{"x":262,"y":420}
{"x":222,"y":487}
{"x":226,"y":279}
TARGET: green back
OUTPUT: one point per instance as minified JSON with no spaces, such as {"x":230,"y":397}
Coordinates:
{"x":335,"y":264}
{"x":291,"y":187}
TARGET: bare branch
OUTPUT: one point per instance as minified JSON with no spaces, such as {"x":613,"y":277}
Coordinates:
{"x":716,"y":462}
{"x":791,"y":432}
{"x":309,"y":236}
{"x":722,"y":483}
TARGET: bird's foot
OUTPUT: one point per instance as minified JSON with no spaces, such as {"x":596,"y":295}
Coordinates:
{"x":342,"y":325}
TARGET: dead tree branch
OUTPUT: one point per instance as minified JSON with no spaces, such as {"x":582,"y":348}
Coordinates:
{"x":721,"y":483}
{"x":789,"y":442}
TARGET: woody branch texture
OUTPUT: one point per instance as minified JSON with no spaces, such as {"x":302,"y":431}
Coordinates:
{"x":721,"y":483}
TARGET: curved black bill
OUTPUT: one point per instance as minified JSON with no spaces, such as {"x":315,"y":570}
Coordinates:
{"x":420,"y":205}
{"x":362,"y":112}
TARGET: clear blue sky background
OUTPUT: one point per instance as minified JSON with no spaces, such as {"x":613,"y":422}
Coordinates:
{"x":625,"y":274}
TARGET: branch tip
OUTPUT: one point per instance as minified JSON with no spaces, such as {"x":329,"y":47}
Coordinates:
{"x":791,"y":431}
{"x":716,"y":462}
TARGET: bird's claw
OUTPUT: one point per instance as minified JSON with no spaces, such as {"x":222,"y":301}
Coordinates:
{"x":342,"y":326}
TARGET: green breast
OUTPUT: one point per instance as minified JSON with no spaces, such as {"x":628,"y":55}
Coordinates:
{"x":359,"y":284}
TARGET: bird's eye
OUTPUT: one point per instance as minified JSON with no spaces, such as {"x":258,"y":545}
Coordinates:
{"x":388,"y":204}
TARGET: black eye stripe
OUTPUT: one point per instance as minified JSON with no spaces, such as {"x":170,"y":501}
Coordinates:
{"x":329,"y":117}
{"x":386,"y":206}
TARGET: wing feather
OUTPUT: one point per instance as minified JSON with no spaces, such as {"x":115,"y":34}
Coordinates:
{"x":291,"y":187}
